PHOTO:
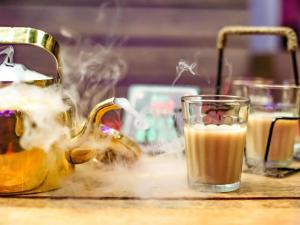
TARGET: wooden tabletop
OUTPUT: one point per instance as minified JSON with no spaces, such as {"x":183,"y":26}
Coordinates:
{"x":94,"y":195}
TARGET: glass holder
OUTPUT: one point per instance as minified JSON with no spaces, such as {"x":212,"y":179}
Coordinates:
{"x":275,"y":172}
{"x":292,"y":46}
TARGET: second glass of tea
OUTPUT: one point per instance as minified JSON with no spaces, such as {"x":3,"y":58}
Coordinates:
{"x":272,"y":125}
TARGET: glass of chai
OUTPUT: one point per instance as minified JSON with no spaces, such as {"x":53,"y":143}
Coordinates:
{"x":215,"y":134}
{"x":272,"y":125}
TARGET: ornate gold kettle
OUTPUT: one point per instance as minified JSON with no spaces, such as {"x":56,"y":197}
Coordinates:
{"x":34,"y":170}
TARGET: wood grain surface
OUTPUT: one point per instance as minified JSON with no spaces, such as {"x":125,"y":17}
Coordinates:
{"x":33,"y":211}
{"x":89,"y":198}
{"x":164,"y":177}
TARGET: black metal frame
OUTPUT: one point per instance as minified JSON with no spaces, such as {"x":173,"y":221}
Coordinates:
{"x":275,"y":172}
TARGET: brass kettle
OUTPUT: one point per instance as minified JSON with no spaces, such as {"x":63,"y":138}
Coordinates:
{"x":31,"y":170}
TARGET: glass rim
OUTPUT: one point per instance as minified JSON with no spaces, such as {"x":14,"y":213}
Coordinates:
{"x":252,"y":81}
{"x":215,"y":98}
{"x":274,"y":86}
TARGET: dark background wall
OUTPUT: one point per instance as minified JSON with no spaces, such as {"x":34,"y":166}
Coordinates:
{"x":151,"y":36}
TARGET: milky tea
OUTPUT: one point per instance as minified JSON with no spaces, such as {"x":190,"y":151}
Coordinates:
{"x":214,"y":153}
{"x":282,"y":142}
{"x":270,"y":102}
{"x":215,"y":135}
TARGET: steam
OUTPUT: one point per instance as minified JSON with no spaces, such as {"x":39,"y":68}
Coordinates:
{"x":91,"y":74}
{"x":227,"y":79}
{"x":195,"y":69}
{"x":42,"y":124}
{"x":162,"y":175}
{"x":140,"y":121}
{"x":176,"y":147}
{"x":92,"y":68}
{"x":41,"y":107}
{"x":229,"y":69}
{"x":91,"y":71}
{"x":182,"y":67}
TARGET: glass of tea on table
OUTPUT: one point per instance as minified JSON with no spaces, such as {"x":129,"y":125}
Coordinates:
{"x":215,"y":134}
{"x":272,"y":125}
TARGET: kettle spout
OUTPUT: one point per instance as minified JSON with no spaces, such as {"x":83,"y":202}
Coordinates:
{"x":95,"y":117}
{"x":119,"y":146}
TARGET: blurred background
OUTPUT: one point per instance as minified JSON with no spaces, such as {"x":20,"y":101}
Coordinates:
{"x":109,"y":45}
{"x":152,"y":36}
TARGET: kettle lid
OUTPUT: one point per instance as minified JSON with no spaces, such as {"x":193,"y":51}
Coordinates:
{"x":14,"y":72}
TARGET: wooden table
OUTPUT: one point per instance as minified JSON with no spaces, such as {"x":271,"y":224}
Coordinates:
{"x":89,"y":199}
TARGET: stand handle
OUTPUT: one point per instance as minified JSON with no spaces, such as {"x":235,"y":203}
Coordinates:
{"x":292,"y":45}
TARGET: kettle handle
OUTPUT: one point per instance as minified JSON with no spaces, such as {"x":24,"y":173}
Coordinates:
{"x":292,"y":44}
{"x":35,"y":37}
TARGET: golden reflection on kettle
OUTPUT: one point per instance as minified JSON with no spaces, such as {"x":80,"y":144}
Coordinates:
{"x":35,"y":169}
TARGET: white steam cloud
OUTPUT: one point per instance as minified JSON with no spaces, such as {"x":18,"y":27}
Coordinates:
{"x":91,"y":67}
{"x":152,"y":176}
{"x":41,"y":108}
{"x":91,"y":74}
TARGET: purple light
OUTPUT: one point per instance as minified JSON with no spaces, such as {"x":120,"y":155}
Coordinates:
{"x":6,"y":113}
{"x":105,"y":129}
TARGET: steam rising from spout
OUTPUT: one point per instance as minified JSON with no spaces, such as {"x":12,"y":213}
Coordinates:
{"x":139,"y":122}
